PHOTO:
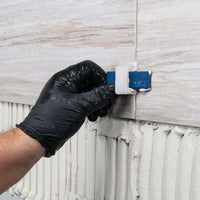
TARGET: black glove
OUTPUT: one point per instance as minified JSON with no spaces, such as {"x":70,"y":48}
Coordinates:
{"x":66,"y":100}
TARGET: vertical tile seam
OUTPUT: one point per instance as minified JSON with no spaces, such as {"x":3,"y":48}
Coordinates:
{"x":136,"y":34}
{"x":135,"y":52}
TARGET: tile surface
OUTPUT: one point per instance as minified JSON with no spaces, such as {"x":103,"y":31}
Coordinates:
{"x":169,"y":45}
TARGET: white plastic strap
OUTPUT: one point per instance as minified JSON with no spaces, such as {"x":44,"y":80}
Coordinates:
{"x":122,"y":81}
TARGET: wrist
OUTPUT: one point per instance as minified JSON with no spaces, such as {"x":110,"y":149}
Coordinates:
{"x":33,"y":150}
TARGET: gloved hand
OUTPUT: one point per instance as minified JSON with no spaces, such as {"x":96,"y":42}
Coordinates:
{"x":66,"y":100}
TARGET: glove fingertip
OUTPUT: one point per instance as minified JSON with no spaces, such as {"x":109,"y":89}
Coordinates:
{"x":92,"y":117}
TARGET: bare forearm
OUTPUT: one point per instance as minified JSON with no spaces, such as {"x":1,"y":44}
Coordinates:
{"x":18,"y":153}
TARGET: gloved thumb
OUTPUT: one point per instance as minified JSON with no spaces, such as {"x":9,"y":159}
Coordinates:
{"x":97,"y":97}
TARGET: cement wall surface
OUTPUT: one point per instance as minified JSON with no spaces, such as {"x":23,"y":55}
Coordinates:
{"x":114,"y":159}
{"x":7,"y":196}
